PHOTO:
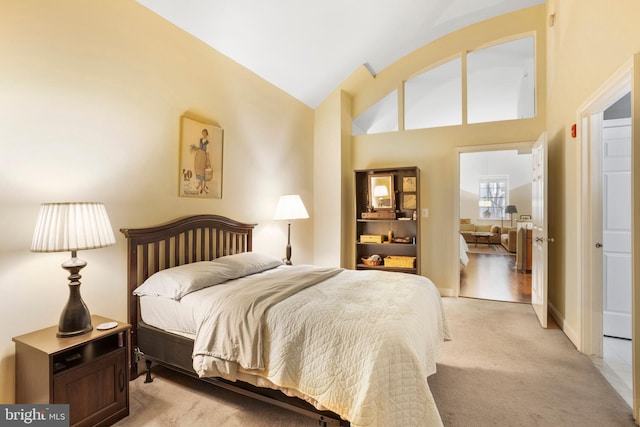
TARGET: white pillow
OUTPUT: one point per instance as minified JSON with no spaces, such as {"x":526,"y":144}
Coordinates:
{"x":176,"y":282}
{"x":246,"y":263}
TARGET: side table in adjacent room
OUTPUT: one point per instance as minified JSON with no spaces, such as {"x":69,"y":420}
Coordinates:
{"x":482,"y":235}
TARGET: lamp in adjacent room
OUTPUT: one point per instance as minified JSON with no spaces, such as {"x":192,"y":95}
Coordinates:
{"x":290,"y":207}
{"x":485,"y":204}
{"x":511,"y":209}
{"x":72,"y":227}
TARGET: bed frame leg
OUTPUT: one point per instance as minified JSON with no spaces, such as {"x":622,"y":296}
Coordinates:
{"x":148,"y":378}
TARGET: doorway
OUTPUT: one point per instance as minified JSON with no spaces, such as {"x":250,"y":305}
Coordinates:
{"x":494,"y":277}
{"x":607,"y":299}
{"x":494,"y":182}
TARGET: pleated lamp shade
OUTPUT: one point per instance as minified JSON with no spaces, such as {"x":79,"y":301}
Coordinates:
{"x":290,"y":207}
{"x":71,"y":227}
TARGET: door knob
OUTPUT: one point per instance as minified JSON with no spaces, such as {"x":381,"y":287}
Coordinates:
{"x":541,"y":239}
{"x":598,"y":245}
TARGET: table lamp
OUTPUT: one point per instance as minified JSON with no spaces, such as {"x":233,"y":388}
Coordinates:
{"x":72,"y":227}
{"x":485,"y":204}
{"x":380,"y":192}
{"x":290,"y":207}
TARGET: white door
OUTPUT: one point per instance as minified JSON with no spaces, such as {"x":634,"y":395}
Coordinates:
{"x":540,"y":240}
{"x":616,"y":227}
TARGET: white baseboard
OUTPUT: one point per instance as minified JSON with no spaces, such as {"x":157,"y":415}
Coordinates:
{"x":447,"y":292}
{"x":571,"y":333}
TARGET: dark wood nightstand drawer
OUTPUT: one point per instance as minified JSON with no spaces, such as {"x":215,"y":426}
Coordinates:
{"x":89,"y":372}
{"x":96,"y":390}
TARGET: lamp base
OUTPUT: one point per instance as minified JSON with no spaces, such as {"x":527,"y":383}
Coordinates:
{"x":287,"y":260}
{"x":75,"y":318}
{"x":60,"y":334}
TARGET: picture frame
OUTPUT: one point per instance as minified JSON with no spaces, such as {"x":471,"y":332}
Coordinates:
{"x":409,"y":184}
{"x":408,"y":201}
{"x":200,"y":164}
{"x":525,"y":217}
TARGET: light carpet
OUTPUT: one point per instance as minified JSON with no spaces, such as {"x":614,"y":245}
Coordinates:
{"x":501,"y":369}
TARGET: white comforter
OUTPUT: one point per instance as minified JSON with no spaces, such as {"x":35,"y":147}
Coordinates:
{"x":361,"y":344}
{"x":464,"y":248}
{"x":230,"y":326}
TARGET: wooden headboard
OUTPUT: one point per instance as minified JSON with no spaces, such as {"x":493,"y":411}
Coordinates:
{"x":181,"y":241}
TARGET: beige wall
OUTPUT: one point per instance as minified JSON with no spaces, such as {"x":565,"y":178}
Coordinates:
{"x":326,"y":186}
{"x":434,"y":151}
{"x":91,"y":98}
{"x":333,"y":181}
{"x":589,"y":42}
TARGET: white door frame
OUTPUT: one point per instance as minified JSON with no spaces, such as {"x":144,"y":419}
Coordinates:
{"x":590,"y":292}
{"x":456,"y":200}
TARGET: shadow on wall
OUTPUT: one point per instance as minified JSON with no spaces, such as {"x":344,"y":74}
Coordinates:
{"x":557,"y":217}
{"x":7,"y":378}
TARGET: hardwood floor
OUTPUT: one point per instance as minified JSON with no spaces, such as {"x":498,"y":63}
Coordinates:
{"x":494,"y":277}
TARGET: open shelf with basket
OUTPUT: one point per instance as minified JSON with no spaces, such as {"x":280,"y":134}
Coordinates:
{"x":387,"y":220}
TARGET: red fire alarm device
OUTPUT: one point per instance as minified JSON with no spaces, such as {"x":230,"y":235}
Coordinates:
{"x":573,"y":130}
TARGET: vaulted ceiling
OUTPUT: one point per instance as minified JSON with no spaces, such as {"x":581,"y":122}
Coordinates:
{"x":308,"y":48}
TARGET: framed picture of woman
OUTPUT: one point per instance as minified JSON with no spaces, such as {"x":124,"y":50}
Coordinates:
{"x":200,"y":159}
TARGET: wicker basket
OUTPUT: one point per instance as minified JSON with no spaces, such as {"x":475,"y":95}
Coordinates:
{"x":366,"y":261}
{"x":400,"y":261}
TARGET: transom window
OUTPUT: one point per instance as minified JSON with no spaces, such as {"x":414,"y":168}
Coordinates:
{"x":380,"y":117}
{"x":501,"y":82}
{"x":501,"y":85}
{"x":434,"y":98}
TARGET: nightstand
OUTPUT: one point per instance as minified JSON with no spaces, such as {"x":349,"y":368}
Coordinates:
{"x":89,"y":372}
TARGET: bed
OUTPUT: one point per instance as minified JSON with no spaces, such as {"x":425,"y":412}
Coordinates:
{"x":464,"y":250}
{"x":345,"y":347}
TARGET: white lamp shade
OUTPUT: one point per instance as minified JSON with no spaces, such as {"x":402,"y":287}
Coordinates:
{"x":380,"y":191}
{"x":290,"y":206}
{"x":72,"y":226}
